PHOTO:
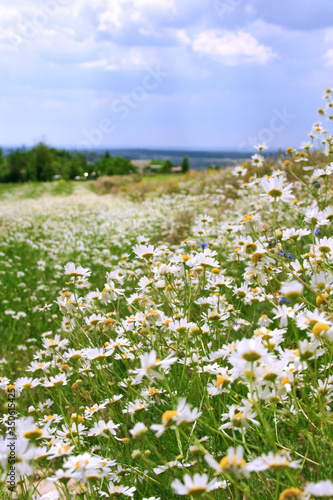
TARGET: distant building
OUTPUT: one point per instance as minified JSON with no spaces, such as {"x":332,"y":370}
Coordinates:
{"x":140,"y":164}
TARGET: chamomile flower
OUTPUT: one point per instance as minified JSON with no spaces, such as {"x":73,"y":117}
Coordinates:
{"x":276,"y":190}
{"x":273,"y":461}
{"x":322,"y":489}
{"x":138,"y":430}
{"x":233,"y":463}
{"x":195,"y":487}
{"x":182,"y":415}
{"x":149,"y":365}
{"x":76,"y":272}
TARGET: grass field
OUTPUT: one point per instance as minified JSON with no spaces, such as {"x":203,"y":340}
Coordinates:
{"x":171,"y":341}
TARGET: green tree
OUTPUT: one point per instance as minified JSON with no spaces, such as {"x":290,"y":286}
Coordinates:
{"x":16,"y":163}
{"x":109,"y":165}
{"x":43,"y":162}
{"x":185,"y":164}
{"x":3,"y":167}
{"x":167,"y":167}
{"x":78,"y":166}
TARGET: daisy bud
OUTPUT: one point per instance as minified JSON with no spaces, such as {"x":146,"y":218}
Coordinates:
{"x":7,"y":406}
{"x":194,"y":330}
{"x":76,"y":418}
{"x":135,"y":454}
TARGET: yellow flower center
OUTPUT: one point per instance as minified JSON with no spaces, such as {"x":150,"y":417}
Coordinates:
{"x":147,"y":255}
{"x":59,"y":382}
{"x":168,"y":416}
{"x":256,"y":257}
{"x":275,"y":193}
{"x":320,"y":299}
{"x":291,"y":494}
{"x":319,"y":328}
{"x":324,"y":249}
{"x":224,"y":464}
{"x":250,"y":248}
{"x":285,"y":381}
{"x":238,"y":416}
{"x":36,"y":433}
{"x":251,"y":356}
{"x":277,"y":466}
{"x":196,"y":490}
{"x":153,"y":391}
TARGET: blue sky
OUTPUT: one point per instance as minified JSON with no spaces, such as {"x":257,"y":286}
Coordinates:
{"x":211,"y":74}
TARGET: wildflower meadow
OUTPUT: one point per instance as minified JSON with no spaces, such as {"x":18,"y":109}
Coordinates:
{"x":176,"y":346}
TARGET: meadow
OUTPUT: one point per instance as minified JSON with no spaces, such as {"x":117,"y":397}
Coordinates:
{"x":172,"y":341}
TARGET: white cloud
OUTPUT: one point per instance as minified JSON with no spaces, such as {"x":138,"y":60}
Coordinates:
{"x":329,"y":35}
{"x":232,"y":48}
{"x":329,"y":57}
{"x":99,"y":64}
{"x":121,"y":59}
{"x":182,"y":36}
{"x":119,"y":13}
{"x":23,"y":21}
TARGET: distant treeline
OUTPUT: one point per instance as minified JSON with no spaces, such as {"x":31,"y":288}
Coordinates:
{"x":43,"y":163}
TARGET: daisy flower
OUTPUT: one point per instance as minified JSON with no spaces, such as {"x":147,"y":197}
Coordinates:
{"x":321,"y":489}
{"x":182,"y":415}
{"x":233,"y":463}
{"x":275,"y":190}
{"x":149,"y":364}
{"x":195,"y":487}
{"x":115,"y":490}
{"x":273,"y":461}
{"x":76,"y":271}
{"x":138,"y":430}
{"x":146,"y":251}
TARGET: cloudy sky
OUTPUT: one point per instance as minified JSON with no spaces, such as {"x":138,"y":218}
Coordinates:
{"x":211,"y":74}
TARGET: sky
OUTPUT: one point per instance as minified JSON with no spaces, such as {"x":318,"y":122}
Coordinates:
{"x":194,"y":74}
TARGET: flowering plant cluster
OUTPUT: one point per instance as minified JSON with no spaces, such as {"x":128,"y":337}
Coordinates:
{"x":152,"y":368}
